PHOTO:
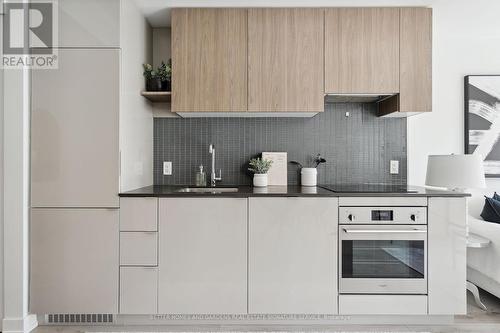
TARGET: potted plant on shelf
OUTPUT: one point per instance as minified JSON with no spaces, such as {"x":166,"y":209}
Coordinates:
{"x":165,"y":75}
{"x":153,"y":83}
{"x":260,"y":167}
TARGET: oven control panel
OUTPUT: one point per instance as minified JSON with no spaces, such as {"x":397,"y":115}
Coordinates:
{"x":382,"y":215}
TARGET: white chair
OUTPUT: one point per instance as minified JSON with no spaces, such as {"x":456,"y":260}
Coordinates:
{"x":483,"y":264}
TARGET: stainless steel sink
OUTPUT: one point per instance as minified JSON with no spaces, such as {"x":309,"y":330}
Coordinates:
{"x":214,"y":190}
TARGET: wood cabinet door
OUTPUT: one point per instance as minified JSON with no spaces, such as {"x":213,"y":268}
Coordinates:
{"x":362,"y":50}
{"x":285,"y":60}
{"x":416,"y":60}
{"x":74,"y":130}
{"x":292,"y":255}
{"x":74,"y":261}
{"x":203,"y":256}
{"x":209,"y":60}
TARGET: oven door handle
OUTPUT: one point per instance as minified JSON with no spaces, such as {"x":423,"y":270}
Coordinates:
{"x":383,"y":231}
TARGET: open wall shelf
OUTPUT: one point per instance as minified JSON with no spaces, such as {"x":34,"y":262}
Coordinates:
{"x":157,"y":96}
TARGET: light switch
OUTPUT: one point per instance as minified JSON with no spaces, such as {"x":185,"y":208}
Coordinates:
{"x":394,"y":167}
{"x":167,"y":168}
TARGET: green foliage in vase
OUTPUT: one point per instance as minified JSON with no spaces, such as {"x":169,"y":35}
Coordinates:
{"x":259,"y":165}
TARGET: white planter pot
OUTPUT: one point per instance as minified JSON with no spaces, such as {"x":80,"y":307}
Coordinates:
{"x":260,"y":180}
{"x":308,"y":176}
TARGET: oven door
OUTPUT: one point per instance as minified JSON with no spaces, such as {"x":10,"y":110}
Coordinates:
{"x":383,"y":259}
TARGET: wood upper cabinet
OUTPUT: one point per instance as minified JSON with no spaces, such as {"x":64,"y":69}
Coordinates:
{"x":285,"y":60}
{"x":415,"y":73}
{"x":416,"y":60}
{"x":209,"y":60}
{"x":362,"y":50}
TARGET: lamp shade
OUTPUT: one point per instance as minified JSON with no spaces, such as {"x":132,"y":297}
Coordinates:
{"x":455,"y":171}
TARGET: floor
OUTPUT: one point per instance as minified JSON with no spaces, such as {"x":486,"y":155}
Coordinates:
{"x":477,"y":321}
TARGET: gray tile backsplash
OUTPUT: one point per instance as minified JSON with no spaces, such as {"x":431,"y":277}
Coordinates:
{"x":358,"y":148}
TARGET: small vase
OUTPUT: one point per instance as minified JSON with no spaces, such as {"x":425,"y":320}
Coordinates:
{"x":153,"y":84}
{"x":308,"y":176}
{"x":166,"y":85}
{"x":260,"y":180}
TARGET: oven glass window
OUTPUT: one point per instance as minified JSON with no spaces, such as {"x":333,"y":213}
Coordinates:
{"x":398,"y":259}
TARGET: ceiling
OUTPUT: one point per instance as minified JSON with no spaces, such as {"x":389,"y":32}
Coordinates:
{"x":157,"y":12}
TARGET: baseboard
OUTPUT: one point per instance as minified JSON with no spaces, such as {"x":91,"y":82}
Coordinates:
{"x":20,"y":325}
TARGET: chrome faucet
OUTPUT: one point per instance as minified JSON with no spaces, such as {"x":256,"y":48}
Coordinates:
{"x":213,"y":178}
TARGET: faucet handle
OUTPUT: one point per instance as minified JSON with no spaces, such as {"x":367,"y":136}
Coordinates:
{"x":211,"y":148}
{"x":220,"y":175}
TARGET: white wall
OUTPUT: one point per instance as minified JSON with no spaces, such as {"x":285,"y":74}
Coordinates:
{"x":136,"y":120}
{"x":466,"y":40}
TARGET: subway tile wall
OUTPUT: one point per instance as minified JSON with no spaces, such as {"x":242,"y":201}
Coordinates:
{"x":358,"y":148}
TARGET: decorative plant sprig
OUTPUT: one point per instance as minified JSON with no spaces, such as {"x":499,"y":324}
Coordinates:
{"x":259,"y":165}
{"x":165,"y":71}
{"x":319,"y":160}
{"x":148,"y":73}
{"x":315,"y":162}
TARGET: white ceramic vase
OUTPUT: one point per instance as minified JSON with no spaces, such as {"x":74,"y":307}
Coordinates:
{"x":308,"y":176}
{"x":260,"y":180}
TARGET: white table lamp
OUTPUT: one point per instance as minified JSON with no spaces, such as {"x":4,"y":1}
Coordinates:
{"x":455,"y":172}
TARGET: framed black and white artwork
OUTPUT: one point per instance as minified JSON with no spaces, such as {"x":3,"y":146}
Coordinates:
{"x":482,"y":120}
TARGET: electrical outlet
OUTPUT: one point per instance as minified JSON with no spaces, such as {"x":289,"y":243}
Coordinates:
{"x":167,"y":168}
{"x":394,"y":167}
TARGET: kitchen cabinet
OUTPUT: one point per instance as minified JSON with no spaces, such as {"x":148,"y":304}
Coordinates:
{"x":74,"y":261}
{"x":415,"y":74}
{"x":447,"y":256}
{"x":138,"y":290}
{"x":416,"y":60}
{"x":203,"y":261}
{"x":209,"y":60}
{"x":362,"y":50}
{"x":138,"y":248}
{"x":89,"y":23}
{"x":74,"y":131}
{"x":382,"y":304}
{"x":292,"y":259}
{"x":285,"y":60}
{"x":138,"y":214}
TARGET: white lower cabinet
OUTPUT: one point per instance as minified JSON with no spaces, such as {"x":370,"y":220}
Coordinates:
{"x":138,"y":248}
{"x":138,"y":290}
{"x":447,"y":256}
{"x":383,"y":304}
{"x":74,"y":261}
{"x":203,"y":256}
{"x":292,"y":256}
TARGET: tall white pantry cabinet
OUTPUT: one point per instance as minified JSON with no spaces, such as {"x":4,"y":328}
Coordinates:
{"x":75,"y":164}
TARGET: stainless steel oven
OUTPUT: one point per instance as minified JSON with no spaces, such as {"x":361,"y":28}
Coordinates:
{"x":383,"y":250}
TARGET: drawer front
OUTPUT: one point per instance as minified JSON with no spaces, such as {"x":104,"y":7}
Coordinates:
{"x":382,"y":304}
{"x":139,"y":214}
{"x":138,"y":290}
{"x":138,"y":248}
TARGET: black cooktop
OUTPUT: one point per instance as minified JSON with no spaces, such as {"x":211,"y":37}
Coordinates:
{"x":368,"y":188}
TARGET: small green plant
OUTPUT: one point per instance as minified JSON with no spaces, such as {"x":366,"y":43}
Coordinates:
{"x":165,"y":71}
{"x":259,"y":165}
{"x":148,"y":73}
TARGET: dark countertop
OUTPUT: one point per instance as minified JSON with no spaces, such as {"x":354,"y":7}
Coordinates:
{"x":280,"y":191}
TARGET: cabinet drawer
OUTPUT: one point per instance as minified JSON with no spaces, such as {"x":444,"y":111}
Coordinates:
{"x":382,"y":304}
{"x":138,"y":290}
{"x":138,"y":248}
{"x":138,"y":214}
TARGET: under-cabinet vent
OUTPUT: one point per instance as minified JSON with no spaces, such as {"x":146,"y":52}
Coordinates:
{"x":97,"y":318}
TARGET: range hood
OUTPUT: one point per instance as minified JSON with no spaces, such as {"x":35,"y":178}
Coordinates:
{"x":356,"y":98}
